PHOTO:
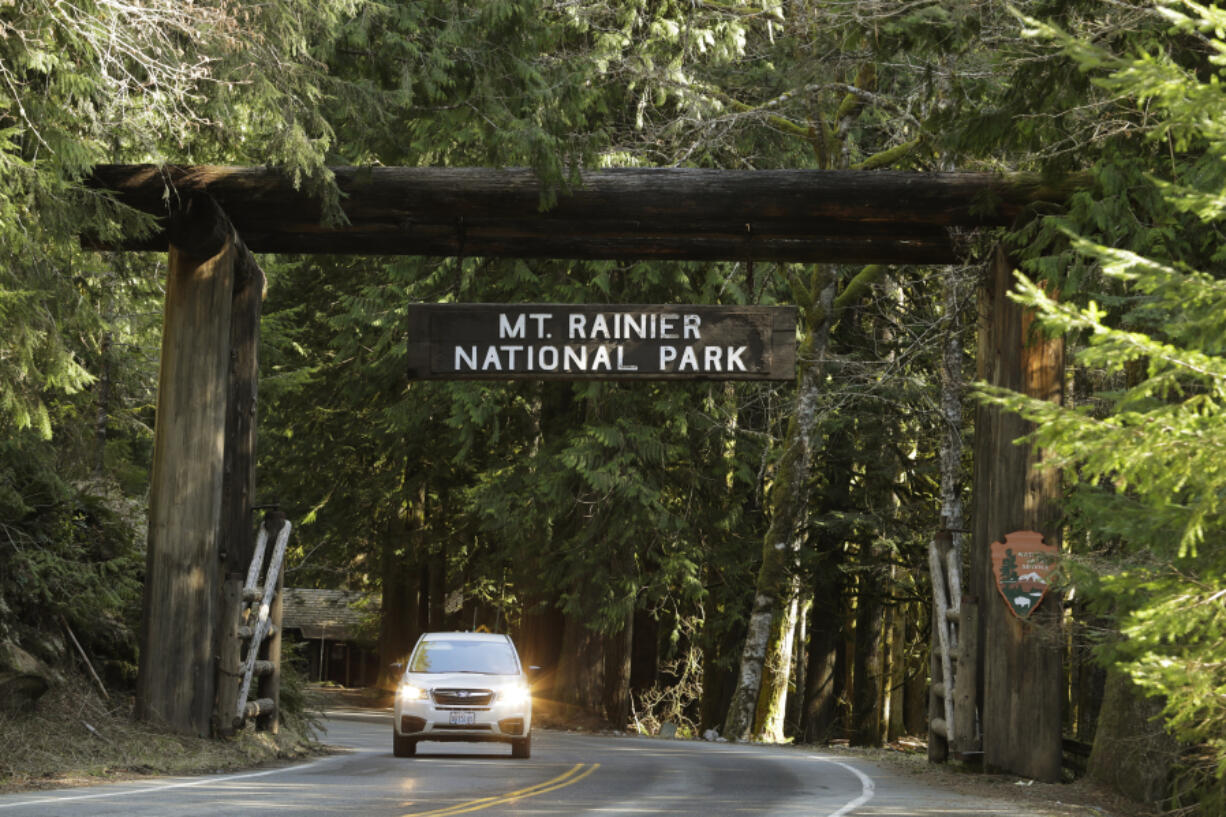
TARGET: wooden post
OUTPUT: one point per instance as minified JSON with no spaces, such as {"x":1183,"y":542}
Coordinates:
{"x":945,"y":595}
{"x":229,"y":656}
{"x":1021,"y":665}
{"x":966,"y":729}
{"x":938,"y":744}
{"x":238,"y":482}
{"x":175,"y":680}
{"x":270,"y":685}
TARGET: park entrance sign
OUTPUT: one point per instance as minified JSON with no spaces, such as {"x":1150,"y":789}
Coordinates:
{"x":601,"y":342}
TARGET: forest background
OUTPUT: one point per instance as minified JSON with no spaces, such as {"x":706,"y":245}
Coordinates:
{"x":620,"y":529}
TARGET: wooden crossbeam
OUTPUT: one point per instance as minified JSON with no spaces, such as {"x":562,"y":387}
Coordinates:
{"x":623,"y":213}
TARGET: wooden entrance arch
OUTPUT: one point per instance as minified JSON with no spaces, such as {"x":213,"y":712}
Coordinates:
{"x":213,"y":218}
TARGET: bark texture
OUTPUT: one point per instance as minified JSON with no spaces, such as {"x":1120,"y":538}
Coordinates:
{"x":400,"y":623}
{"x":621,"y":213}
{"x":1022,"y":660}
{"x":176,"y":678}
{"x":787,"y":510}
{"x":1133,"y":754}
{"x":867,"y":661}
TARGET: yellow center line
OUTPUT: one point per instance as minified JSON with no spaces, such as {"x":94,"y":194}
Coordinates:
{"x":570,"y":777}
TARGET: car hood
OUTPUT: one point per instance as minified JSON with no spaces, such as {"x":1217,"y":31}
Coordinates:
{"x":462,"y":680}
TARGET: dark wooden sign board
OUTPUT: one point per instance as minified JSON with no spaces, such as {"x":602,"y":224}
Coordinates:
{"x":601,"y":342}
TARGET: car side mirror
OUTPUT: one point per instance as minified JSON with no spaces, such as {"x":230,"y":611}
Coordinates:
{"x":396,"y":666}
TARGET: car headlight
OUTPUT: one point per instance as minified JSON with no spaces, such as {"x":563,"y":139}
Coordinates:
{"x":517,"y":695}
{"x":408,"y":692}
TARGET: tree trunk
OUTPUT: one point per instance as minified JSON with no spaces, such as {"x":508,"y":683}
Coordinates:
{"x":645,"y":652}
{"x":1133,"y":754}
{"x":102,"y":416}
{"x":1022,"y":673}
{"x":774,"y":583}
{"x":822,"y":681}
{"x":821,"y":689}
{"x":867,"y":672}
{"x":962,"y":721}
{"x":399,"y":624}
{"x":177,"y":675}
{"x":800,"y":666}
{"x":622,"y":213}
{"x":238,"y":482}
{"x":770,"y":717}
{"x":540,"y":641}
{"x":617,"y":659}
{"x":580,"y":681}
{"x":438,"y":586}
{"x":915,"y":706}
{"x":896,"y":669}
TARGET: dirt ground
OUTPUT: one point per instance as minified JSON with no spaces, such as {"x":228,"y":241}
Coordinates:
{"x":1075,"y":799}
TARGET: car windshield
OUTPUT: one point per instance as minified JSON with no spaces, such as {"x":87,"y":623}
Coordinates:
{"x":484,"y":657}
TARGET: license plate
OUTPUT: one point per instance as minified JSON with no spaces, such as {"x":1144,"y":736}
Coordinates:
{"x":463,"y":718}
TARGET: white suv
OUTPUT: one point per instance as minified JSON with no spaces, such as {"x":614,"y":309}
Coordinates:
{"x":463,"y":686}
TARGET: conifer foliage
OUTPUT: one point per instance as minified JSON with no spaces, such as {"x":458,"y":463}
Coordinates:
{"x":1145,"y":460}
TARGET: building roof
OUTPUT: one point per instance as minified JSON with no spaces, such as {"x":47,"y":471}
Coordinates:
{"x":335,"y":615}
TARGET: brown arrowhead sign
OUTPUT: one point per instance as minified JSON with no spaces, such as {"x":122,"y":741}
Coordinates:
{"x":1022,"y":564}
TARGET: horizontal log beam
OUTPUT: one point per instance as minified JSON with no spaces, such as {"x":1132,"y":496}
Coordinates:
{"x":623,"y":213}
{"x":260,"y":706}
{"x":245,"y":632}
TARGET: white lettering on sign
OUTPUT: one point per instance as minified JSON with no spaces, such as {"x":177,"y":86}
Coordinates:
{"x":668,"y":343}
{"x":603,"y":357}
{"x":506,"y":329}
{"x":714,"y":359}
{"x":618,"y":326}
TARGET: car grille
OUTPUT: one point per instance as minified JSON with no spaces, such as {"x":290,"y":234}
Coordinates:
{"x":463,"y":697}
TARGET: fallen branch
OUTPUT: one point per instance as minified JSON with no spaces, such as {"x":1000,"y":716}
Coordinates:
{"x":88,"y":665}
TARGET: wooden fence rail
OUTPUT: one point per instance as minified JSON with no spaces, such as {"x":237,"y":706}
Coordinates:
{"x":251,"y":615}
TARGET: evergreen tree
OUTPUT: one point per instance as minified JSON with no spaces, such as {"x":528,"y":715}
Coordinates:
{"x":1145,"y":459}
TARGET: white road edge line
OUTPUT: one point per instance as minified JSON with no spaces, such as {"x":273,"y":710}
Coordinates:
{"x":203,"y":781}
{"x":867,"y":787}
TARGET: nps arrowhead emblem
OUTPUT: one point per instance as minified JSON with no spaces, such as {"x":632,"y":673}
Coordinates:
{"x":1022,"y":565}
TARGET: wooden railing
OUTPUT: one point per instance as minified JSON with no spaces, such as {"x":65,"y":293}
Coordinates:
{"x":953,"y":719}
{"x":250,"y":642}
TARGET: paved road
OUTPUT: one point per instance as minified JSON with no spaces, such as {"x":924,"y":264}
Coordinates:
{"x":568,"y":774}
